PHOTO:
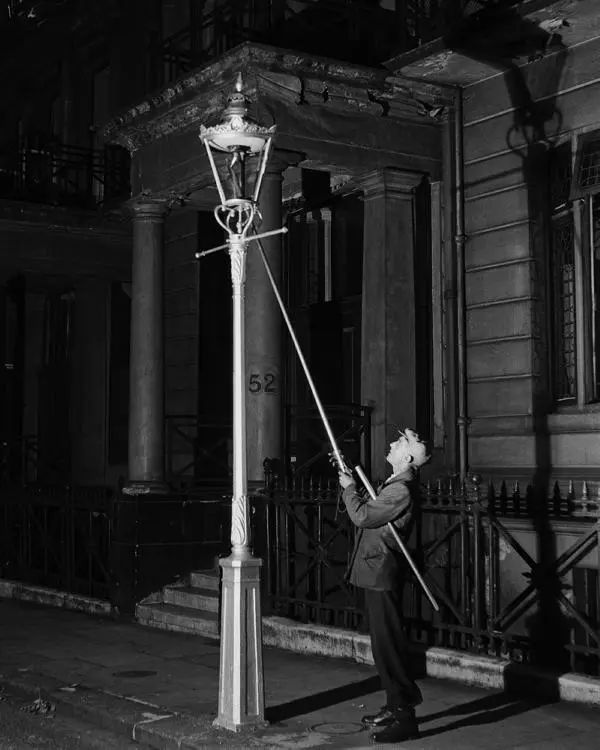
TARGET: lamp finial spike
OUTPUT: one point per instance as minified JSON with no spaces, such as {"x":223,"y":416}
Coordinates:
{"x":239,"y":84}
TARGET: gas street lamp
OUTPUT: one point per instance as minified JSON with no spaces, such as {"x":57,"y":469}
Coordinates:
{"x":238,"y":150}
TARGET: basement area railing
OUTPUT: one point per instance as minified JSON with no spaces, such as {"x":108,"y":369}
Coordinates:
{"x":99,"y":543}
{"x":514,"y":576}
{"x":197,"y":450}
{"x":57,"y":536}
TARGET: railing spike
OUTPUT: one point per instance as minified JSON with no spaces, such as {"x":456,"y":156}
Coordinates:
{"x":584,"y":491}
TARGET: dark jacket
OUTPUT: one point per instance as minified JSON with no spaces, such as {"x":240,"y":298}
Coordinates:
{"x":376,"y":562}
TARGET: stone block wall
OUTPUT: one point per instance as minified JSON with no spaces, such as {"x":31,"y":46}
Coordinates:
{"x":507,"y":266}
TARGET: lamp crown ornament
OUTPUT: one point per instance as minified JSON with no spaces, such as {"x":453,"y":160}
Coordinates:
{"x":237,"y":130}
{"x":238,"y":150}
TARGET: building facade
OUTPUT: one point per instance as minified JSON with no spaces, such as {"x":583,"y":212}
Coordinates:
{"x":435,"y":165}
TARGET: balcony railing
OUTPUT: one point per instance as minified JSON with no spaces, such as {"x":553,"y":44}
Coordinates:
{"x":64,"y":175}
{"x":356,"y":31}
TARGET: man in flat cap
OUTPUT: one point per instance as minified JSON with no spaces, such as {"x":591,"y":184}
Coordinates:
{"x":378,"y":566}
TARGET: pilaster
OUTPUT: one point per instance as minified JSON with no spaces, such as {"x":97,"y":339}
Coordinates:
{"x":264,"y":328}
{"x":389,"y":346}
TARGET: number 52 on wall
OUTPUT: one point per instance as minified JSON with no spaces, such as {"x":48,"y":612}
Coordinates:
{"x":262,"y":383}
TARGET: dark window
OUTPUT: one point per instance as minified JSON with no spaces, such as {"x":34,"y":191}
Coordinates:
{"x":589,"y":164}
{"x":563,"y":268}
{"x":118,"y":414}
{"x":563,"y":349}
{"x":594,"y":278}
{"x":574,"y":239}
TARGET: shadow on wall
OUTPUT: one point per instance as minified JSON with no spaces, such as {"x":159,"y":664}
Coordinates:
{"x":500,"y":37}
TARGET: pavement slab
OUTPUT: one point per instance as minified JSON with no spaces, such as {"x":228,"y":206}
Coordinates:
{"x":160,"y":689}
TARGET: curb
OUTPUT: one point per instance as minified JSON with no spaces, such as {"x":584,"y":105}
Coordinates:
{"x":26,"y":592}
{"x":477,"y":670}
{"x":151,"y":725}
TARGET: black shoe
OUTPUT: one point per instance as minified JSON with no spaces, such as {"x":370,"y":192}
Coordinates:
{"x":403,"y":727}
{"x":382,"y":719}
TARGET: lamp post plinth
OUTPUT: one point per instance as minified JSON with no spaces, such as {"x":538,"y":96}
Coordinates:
{"x":241,"y":689}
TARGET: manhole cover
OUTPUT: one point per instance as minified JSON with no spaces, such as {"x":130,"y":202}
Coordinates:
{"x":347,"y":727}
{"x":134,"y":673}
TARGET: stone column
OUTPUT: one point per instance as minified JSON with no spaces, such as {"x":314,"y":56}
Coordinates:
{"x":264,"y":331}
{"x":146,"y":366}
{"x":388,"y":307}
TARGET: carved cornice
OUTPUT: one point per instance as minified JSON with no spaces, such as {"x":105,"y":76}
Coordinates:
{"x":279,"y":75}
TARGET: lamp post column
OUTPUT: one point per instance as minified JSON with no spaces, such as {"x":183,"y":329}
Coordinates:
{"x":241,"y":683}
{"x":146,"y":378}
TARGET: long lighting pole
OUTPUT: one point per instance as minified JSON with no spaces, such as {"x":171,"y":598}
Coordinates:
{"x":238,"y":150}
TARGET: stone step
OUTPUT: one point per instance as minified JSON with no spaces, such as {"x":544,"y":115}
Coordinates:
{"x":178,"y":619}
{"x":192,"y":597}
{"x":205,"y":579}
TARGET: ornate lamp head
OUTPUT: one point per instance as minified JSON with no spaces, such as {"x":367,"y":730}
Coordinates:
{"x":240,"y":146}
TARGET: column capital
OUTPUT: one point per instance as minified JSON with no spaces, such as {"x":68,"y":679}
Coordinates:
{"x":395,"y":181}
{"x":148,"y":207}
{"x":281,"y":159}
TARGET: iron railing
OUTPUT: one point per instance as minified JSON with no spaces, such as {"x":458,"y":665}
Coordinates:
{"x":65,"y":175}
{"x":197,"y":451}
{"x":158,"y":538}
{"x":305,"y":541}
{"x":515,"y":577}
{"x":57,"y":536}
{"x":98,"y":543}
{"x":306,"y":444}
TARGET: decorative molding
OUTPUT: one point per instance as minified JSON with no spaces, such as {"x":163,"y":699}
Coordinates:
{"x":148,"y":208}
{"x":239,"y":522}
{"x":271,"y":73}
{"x":237,"y":254}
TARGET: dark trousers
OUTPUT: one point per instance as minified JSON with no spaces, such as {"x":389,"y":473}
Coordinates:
{"x":390,"y":648}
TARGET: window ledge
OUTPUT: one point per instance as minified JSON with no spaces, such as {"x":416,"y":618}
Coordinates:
{"x":575,"y":418}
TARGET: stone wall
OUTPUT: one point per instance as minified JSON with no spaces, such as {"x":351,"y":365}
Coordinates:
{"x":512,"y":429}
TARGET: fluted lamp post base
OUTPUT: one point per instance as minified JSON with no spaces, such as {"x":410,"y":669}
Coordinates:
{"x":241,"y":688}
